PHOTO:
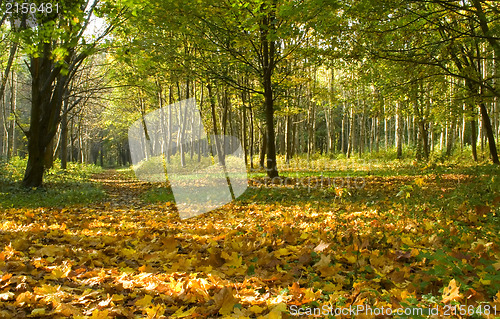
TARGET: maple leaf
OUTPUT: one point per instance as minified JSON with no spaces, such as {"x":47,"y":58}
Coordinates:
{"x":321,"y":246}
{"x":225,"y":301}
{"x":277,"y":311}
{"x":180,"y":313}
{"x":144,"y":302}
{"x":233,"y":259}
{"x":323,"y":262}
{"x":451,"y":292}
{"x":37,"y":312}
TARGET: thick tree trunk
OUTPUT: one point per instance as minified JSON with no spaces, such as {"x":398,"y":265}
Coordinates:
{"x":46,"y":102}
{"x":268,"y":65}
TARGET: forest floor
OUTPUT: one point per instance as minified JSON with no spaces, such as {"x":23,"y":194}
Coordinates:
{"x":386,"y":241}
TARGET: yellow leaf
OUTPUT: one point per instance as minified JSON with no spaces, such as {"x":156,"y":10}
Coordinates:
{"x":38,"y":312}
{"x":407,"y":240}
{"x":233,"y":260}
{"x":281,"y":252}
{"x":157,"y":311}
{"x":485,"y":282}
{"x":181,"y":314}
{"x":420,"y":181}
{"x":256,"y":309}
{"x":65,"y":309}
{"x":144,"y":302}
{"x":451,"y":292}
{"x":25,"y":298}
{"x":331,"y":287}
{"x":276,"y":312}
{"x":116,"y":297}
{"x":98,"y":314}
{"x":323,"y":262}
{"x":497,"y":266}
{"x":228,"y":302}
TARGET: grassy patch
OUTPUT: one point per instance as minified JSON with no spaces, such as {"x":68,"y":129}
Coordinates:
{"x":159,"y":194}
{"x":61,"y":187}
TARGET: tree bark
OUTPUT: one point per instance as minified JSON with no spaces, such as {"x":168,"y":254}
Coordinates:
{"x":214,"y":122}
{"x":268,"y":61}
{"x":488,"y":130}
{"x":46,"y":103}
{"x":398,"y":130}
{"x":262,"y":159}
{"x":13,"y":104}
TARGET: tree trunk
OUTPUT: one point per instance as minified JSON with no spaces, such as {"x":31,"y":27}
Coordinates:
{"x":488,"y":130}
{"x":263,"y":149}
{"x":398,"y":132}
{"x":13,"y":105}
{"x":64,"y":135}
{"x":244,"y":131}
{"x":251,"y":137}
{"x":350,"y":146}
{"x":268,"y":65}
{"x":46,"y":103}
{"x":214,"y":122}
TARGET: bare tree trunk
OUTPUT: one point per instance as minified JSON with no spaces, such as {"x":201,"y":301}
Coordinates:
{"x":489,"y":133}
{"x":386,"y":131}
{"x":289,"y":137}
{"x":214,"y":123}
{"x":263,"y":149}
{"x":244,"y":120}
{"x":13,"y":105}
{"x":64,"y":134}
{"x":252,"y":137}
{"x":473,"y":138}
{"x":398,"y":132}
{"x":343,"y":130}
{"x":362,"y":134}
{"x":450,"y":138}
{"x":350,"y":146}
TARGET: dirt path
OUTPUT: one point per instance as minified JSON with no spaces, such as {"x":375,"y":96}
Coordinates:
{"x":122,"y":191}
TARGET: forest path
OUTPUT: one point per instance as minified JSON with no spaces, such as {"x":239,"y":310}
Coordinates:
{"x":122,"y":191}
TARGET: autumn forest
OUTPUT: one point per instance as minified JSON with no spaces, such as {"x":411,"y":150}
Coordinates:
{"x":249,"y":159}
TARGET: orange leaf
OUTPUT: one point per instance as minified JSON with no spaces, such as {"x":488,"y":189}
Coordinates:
{"x":451,"y":292}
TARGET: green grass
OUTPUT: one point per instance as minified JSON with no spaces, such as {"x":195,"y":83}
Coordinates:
{"x":61,"y":188}
{"x":159,"y":194}
{"x":394,"y":176}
